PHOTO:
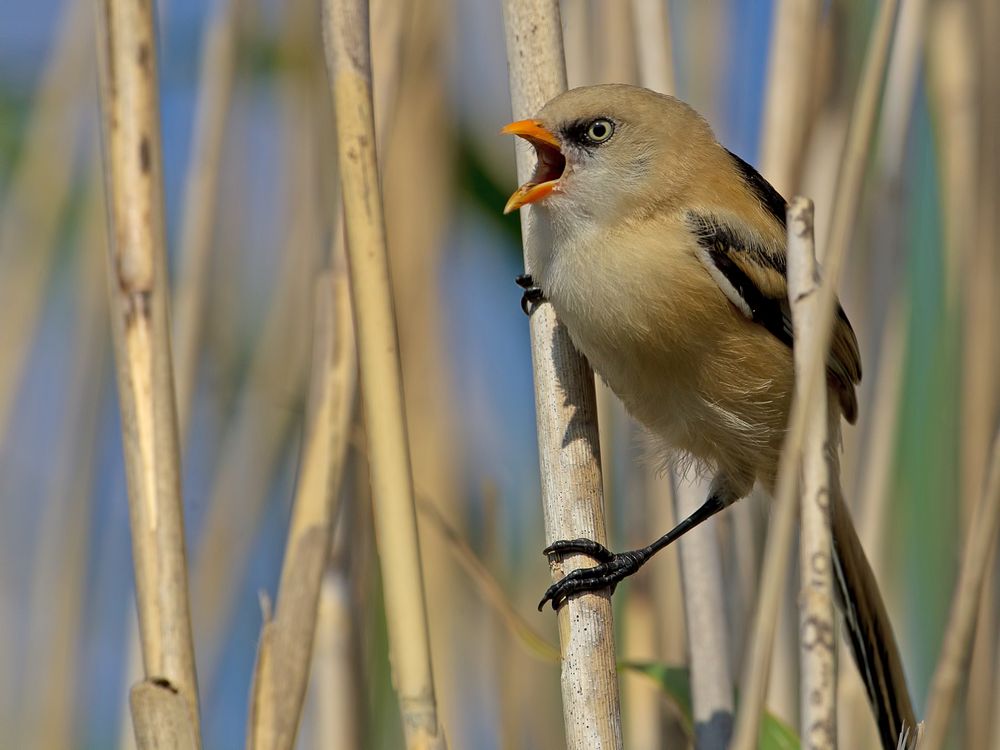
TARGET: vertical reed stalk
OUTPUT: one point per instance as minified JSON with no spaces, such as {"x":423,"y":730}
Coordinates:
{"x":339,"y":702}
{"x":37,"y":195}
{"x":845,"y":209}
{"x":348,"y":58}
{"x":818,"y":708}
{"x":788,"y":106}
{"x":215,"y":84}
{"x":166,"y":702}
{"x":59,"y":572}
{"x":416,"y":145}
{"x":708,"y":633}
{"x":953,"y":663}
{"x":285,"y":649}
{"x":568,"y":443}
{"x":651,"y":22}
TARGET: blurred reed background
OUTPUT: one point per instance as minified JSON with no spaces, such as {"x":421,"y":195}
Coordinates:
{"x":251,"y":196}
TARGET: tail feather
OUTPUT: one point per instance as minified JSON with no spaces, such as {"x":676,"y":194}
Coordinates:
{"x":873,"y":644}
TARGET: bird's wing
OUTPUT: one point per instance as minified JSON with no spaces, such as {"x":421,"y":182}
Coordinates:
{"x":753,"y":278}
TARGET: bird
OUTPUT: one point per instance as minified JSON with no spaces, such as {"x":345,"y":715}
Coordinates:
{"x":664,"y":256}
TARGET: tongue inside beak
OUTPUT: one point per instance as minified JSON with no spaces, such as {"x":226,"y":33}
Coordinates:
{"x":549,"y":168}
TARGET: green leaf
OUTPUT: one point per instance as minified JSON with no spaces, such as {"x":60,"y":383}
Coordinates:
{"x":675,"y":682}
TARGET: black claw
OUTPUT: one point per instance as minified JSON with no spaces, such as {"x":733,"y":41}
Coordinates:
{"x":530,"y":298}
{"x":606,"y":575}
{"x":580,"y":547}
{"x":532,"y":294}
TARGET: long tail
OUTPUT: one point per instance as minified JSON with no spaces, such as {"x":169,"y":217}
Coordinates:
{"x":873,"y":644}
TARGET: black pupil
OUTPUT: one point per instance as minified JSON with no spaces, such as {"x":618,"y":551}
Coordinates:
{"x":598,"y":130}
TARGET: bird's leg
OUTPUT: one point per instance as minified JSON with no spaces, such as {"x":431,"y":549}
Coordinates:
{"x":532,"y":294}
{"x":615,"y":567}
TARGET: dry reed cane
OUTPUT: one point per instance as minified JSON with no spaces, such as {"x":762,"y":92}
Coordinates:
{"x":166,"y":702}
{"x":419,"y":198}
{"x":59,"y":572}
{"x":568,"y":444}
{"x":197,"y":224}
{"x":788,"y":104}
{"x":872,"y":495}
{"x":252,"y":447}
{"x":705,"y":622}
{"x":215,"y":84}
{"x":953,"y":662}
{"x":285,"y":649}
{"x":845,"y":209}
{"x":345,"y":29}
{"x":817,"y":662}
{"x":37,"y":195}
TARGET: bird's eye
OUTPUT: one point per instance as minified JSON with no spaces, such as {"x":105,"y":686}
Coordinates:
{"x":600,"y":130}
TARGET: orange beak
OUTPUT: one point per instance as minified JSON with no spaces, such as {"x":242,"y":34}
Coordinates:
{"x":549,"y":168}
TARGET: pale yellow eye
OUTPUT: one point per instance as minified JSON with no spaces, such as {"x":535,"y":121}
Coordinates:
{"x":600,"y":130}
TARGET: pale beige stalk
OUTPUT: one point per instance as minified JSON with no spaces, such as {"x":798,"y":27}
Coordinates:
{"x":36,"y":196}
{"x":285,"y":649}
{"x":846,"y":202}
{"x":60,"y":567}
{"x":198,"y":222}
{"x":263,"y":421}
{"x":651,"y":22}
{"x":817,"y":661}
{"x":568,"y":446}
{"x":345,"y":29}
{"x":642,"y":699}
{"x":338,"y":703}
{"x":788,"y":103}
{"x":706,"y":625}
{"x":137,"y":283}
{"x":880,"y":421}
{"x":420,"y":199}
{"x":577,"y":41}
{"x":970,"y":288}
{"x":951,"y":72}
{"x":952,"y":667}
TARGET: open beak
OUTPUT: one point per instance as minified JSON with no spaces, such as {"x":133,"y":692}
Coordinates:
{"x":549,"y":168}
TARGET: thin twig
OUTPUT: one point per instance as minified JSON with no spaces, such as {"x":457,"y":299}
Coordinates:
{"x":953,"y":663}
{"x":137,"y":272}
{"x":568,"y":444}
{"x":817,"y":660}
{"x":845,"y":210}
{"x":348,"y":57}
{"x":487,"y":585}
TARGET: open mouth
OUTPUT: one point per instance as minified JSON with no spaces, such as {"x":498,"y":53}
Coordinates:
{"x":548,"y":169}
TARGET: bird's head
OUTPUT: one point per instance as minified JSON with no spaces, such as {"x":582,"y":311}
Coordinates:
{"x":606,"y":150}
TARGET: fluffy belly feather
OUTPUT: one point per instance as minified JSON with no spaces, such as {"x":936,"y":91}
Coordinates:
{"x":711,"y":385}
